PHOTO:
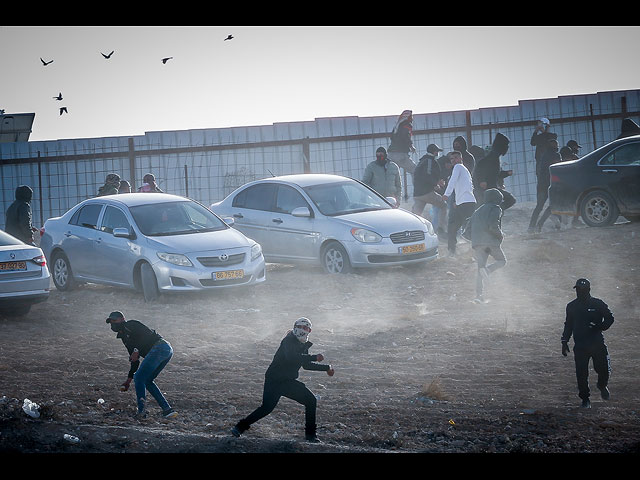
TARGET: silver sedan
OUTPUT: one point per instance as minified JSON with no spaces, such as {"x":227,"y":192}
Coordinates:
{"x":152,"y":242}
{"x":24,"y":278}
{"x":334,"y":221}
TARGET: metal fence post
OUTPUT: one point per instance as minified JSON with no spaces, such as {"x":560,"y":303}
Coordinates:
{"x":132,"y":164}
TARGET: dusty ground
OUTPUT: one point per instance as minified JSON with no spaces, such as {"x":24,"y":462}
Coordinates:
{"x":419,"y":367}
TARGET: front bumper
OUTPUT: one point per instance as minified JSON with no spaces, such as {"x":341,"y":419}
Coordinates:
{"x":173,"y":278}
{"x":389,"y":253}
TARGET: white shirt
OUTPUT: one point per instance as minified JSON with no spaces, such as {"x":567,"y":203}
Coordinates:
{"x":460,"y":182}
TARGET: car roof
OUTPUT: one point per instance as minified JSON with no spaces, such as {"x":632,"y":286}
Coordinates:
{"x":139,"y":198}
{"x":307,"y":179}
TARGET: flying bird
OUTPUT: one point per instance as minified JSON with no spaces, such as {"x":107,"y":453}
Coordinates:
{"x":228,"y":38}
{"x":165,"y":60}
{"x":44,"y":64}
{"x":59,"y":97}
{"x":63,"y":110}
{"x":107,"y":56}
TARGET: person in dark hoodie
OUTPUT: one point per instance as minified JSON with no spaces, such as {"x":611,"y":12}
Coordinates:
{"x":551,"y":155}
{"x":486,"y":238}
{"x":401,"y":142}
{"x":586,"y":318}
{"x":486,"y":173}
{"x":281,"y":379}
{"x":141,"y":341}
{"x":468,"y":159}
{"x":111,"y":185}
{"x":18,"y":216}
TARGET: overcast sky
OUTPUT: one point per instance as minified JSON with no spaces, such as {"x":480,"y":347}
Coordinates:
{"x":266,"y":75}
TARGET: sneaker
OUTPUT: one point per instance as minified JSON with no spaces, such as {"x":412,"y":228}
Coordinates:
{"x":171,"y":413}
{"x":585,"y":403}
{"x":311,"y":438}
{"x":479,"y":299}
{"x":235,"y":431}
{"x":140,"y":415}
{"x":605,"y":394}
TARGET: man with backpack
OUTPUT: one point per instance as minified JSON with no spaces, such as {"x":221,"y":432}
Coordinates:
{"x":426,"y":177}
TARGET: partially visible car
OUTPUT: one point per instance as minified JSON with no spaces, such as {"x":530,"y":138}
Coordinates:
{"x":599,"y":186}
{"x":154,"y":242}
{"x":329,"y":220}
{"x":24,"y":277}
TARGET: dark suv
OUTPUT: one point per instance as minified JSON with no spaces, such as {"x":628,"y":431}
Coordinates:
{"x":601,"y":185}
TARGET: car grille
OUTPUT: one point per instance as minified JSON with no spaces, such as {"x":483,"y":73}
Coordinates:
{"x":209,"y":282}
{"x":407,"y":237}
{"x":217,"y":262}
{"x":402,"y":258}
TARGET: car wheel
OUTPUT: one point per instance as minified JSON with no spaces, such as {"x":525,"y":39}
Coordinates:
{"x":62,"y":274}
{"x":335,"y":259}
{"x":149,"y":282}
{"x":599,"y":209}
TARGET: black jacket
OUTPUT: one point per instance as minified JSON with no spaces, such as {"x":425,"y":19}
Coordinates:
{"x":426,"y":175}
{"x":468,"y":160}
{"x":548,"y":158}
{"x":540,"y":140}
{"x":586,"y":319}
{"x":18,"y":215}
{"x":137,"y":335}
{"x":290,"y":356}
{"x":488,"y":168}
{"x":401,"y":139}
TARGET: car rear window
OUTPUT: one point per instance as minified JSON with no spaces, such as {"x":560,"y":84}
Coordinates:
{"x":6,"y":239}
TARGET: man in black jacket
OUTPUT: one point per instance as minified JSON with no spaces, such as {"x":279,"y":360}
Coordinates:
{"x":280,"y":380}
{"x":586,"y":318}
{"x":18,"y":216}
{"x":426,"y":177}
{"x":486,"y":174}
{"x":550,"y":156}
{"x":141,"y":341}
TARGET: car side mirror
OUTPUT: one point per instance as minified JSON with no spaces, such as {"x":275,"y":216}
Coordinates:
{"x":301,"y":212}
{"x":229,"y":221}
{"x":123,"y":233}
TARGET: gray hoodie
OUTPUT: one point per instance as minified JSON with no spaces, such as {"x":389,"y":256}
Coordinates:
{"x":486,"y":221}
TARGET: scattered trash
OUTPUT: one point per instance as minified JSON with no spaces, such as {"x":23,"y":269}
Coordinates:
{"x":451,"y":421}
{"x":528,"y":411}
{"x":31,"y":408}
{"x":101,"y":401}
{"x":451,"y":274}
{"x":71,"y":438}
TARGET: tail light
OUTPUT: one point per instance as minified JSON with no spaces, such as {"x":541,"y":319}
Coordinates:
{"x":555,"y":179}
{"x":40,"y":260}
{"x":41,"y":231}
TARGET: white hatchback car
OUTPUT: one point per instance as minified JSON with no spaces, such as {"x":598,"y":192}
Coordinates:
{"x":331,"y":220}
{"x":154,"y":242}
{"x":24,"y":277}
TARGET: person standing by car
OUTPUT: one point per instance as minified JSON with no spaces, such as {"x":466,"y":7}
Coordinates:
{"x":586,"y":318}
{"x":149,"y":184}
{"x":550,"y":156}
{"x":486,"y":238}
{"x":540,"y":139}
{"x":111,"y":185}
{"x":401,"y":142}
{"x":141,"y":341}
{"x":460,"y":186}
{"x":426,"y":177}
{"x":281,"y":379}
{"x":383,"y":176}
{"x":18,"y":216}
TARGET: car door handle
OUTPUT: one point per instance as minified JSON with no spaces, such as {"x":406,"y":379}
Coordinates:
{"x":609,"y":171}
{"x":238,"y":215}
{"x":67,"y":234}
{"x":98,"y":240}
{"x":276,"y":220}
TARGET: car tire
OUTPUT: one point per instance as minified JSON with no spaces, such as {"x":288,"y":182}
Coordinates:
{"x":335,"y":259}
{"x":149,"y":283}
{"x":598,"y":209}
{"x":61,"y":273}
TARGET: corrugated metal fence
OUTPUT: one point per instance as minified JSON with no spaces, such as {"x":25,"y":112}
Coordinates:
{"x":208,"y":164}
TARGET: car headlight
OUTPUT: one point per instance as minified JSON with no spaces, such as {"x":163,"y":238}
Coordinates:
{"x":365,"y":236}
{"x":175,"y":259}
{"x":256,"y":251}
{"x":427,"y":224}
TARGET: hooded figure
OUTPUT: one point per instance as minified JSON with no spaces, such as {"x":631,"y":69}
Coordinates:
{"x":111,"y":185}
{"x":383,"y":176}
{"x":486,"y":238}
{"x":468,"y":159}
{"x":488,"y":172}
{"x":401,"y":143}
{"x":629,"y":128}
{"x":281,"y":379}
{"x":586,"y":318}
{"x":18,"y":215}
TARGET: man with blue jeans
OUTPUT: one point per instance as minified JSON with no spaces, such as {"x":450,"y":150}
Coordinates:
{"x":141,"y":341}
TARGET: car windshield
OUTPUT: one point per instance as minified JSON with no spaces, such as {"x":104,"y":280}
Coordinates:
{"x":6,"y":239}
{"x":341,"y":198}
{"x":175,"y":218}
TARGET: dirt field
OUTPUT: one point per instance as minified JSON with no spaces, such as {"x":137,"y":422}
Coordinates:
{"x":419,"y":367}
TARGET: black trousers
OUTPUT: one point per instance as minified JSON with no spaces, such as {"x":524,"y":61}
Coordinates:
{"x":273,"y":390}
{"x":601,"y":364}
{"x":542,"y":194}
{"x":458,"y":215}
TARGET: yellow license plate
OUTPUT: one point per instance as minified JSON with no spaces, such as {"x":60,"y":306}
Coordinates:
{"x":229,"y":274}
{"x":11,"y":266}
{"x":413,"y":248}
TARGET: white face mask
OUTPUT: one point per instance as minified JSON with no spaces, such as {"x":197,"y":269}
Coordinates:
{"x":302,"y":329}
